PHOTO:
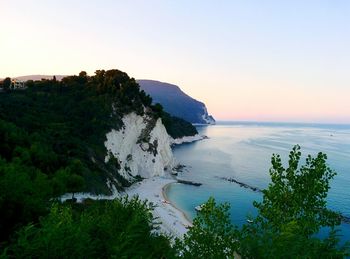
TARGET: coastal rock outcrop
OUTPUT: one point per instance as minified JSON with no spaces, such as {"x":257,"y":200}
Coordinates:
{"x":140,"y":148}
{"x":187,"y":139}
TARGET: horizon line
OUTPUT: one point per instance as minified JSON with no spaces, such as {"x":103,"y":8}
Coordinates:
{"x":284,"y":122}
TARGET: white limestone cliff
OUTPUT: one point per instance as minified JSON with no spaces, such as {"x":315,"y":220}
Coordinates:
{"x":207,"y":118}
{"x":146,"y":157}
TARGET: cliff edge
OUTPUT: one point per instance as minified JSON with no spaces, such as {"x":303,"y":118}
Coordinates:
{"x":176,"y":102}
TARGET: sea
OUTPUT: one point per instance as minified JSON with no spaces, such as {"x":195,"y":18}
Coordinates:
{"x":243,"y":151}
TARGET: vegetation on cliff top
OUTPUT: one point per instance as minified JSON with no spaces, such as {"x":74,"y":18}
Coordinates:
{"x":55,"y":124}
{"x":52,"y":138}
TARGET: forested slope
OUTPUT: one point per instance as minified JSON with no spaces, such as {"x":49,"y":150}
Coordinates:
{"x":52,"y":138}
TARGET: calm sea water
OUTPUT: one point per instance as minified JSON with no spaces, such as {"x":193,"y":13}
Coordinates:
{"x":244,"y":150}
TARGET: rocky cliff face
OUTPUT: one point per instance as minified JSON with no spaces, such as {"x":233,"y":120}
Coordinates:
{"x":208,"y":119}
{"x":176,"y":102}
{"x":140,"y":148}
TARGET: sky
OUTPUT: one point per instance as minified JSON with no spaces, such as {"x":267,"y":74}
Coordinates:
{"x":246,"y":60}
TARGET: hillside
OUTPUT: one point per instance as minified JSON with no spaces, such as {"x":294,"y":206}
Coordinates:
{"x":37,"y":77}
{"x":176,"y":102}
{"x":40,"y":77}
{"x":67,"y":123}
{"x":95,"y":134}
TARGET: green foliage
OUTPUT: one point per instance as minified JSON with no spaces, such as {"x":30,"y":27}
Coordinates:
{"x":177,"y":127}
{"x":54,"y":123}
{"x":52,"y":140}
{"x":292,"y":211}
{"x":75,"y":183}
{"x":211,"y":236}
{"x":103,"y":229}
{"x":23,"y":197}
{"x":49,"y":134}
{"x":299,"y":194}
{"x":6,"y":83}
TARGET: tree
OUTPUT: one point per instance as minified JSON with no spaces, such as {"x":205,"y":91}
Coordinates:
{"x":30,"y":83}
{"x":23,"y":197}
{"x":121,"y":228}
{"x":75,"y":183}
{"x":292,"y":211}
{"x":212,"y":234}
{"x":157,"y":109}
{"x":83,"y":77}
{"x":6,"y":83}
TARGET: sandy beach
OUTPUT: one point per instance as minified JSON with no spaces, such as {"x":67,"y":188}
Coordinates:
{"x":173,"y":221}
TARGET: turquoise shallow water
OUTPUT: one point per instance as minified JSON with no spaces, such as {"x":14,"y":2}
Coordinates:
{"x":243,"y":151}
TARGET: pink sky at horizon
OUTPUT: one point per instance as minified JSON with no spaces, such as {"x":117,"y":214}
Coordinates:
{"x":247,"y":61}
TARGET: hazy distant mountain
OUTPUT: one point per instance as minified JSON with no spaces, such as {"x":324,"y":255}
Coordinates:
{"x":39,"y":77}
{"x":176,"y":102}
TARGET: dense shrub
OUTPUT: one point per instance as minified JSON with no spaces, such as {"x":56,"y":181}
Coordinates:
{"x":120,"y":228}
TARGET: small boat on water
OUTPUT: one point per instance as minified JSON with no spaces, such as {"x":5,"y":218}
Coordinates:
{"x":249,"y":221}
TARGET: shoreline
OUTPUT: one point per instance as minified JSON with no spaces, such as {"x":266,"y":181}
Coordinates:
{"x":172,"y":204}
{"x":171,"y":220}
